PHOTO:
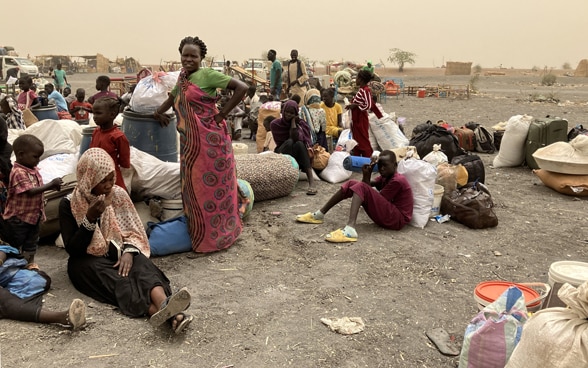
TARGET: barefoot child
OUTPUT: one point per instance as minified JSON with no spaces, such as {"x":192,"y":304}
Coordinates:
{"x":25,"y":207}
{"x":390,"y":206}
{"x":109,"y":137}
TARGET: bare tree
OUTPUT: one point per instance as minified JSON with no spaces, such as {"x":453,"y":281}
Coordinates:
{"x":401,"y":57}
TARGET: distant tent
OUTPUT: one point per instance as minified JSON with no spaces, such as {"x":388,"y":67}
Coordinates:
{"x":458,"y":68}
{"x":582,"y":68}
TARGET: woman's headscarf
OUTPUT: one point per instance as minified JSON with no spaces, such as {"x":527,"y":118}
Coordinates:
{"x":119,"y":221}
{"x":281,"y":128}
{"x":312,"y":98}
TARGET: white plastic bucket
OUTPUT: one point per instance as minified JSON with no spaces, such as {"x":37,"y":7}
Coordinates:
{"x":437,"y":195}
{"x":572,"y":272}
{"x":171,"y":208}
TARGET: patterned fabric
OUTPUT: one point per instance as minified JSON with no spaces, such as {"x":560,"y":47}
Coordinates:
{"x":28,"y":208}
{"x":360,"y":122}
{"x":14,"y":119}
{"x":119,"y":221}
{"x":209,"y":182}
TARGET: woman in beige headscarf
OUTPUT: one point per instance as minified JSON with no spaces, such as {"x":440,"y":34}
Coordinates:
{"x":316,"y":117}
{"x":109,"y":249}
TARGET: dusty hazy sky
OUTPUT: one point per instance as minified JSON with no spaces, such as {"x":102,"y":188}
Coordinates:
{"x":514,"y":33}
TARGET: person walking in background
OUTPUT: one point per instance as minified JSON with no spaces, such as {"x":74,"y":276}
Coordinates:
{"x":389,"y":206}
{"x":109,"y":137}
{"x":60,"y":78}
{"x":296,"y":76}
{"x":209,"y":182}
{"x":361,"y":104}
{"x":79,"y":108}
{"x":334,"y":113}
{"x":25,"y":206}
{"x":275,"y":75}
{"x":102,"y":85}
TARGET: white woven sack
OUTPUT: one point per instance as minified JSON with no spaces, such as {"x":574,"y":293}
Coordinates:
{"x":386,"y":132}
{"x":512,"y":146}
{"x":421,"y":176}
{"x":335,"y":172}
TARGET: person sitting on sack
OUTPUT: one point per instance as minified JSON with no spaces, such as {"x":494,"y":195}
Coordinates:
{"x":390,"y":206}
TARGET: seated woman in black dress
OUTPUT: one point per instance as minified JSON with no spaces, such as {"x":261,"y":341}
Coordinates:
{"x":108,"y":248}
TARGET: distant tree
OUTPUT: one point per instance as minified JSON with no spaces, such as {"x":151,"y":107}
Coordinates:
{"x":566,"y":66}
{"x":477,"y":68}
{"x":401,"y":57}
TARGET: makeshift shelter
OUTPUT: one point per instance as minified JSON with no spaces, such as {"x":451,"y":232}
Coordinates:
{"x":96,"y":63}
{"x":582,"y":69}
{"x":458,"y":68}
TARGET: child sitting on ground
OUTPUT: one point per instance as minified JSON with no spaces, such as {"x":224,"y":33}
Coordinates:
{"x":109,"y":137}
{"x":269,"y":144}
{"x":390,"y":206}
{"x":334,"y":113}
{"x":79,"y":108}
{"x":102,"y":85}
{"x":25,"y":207}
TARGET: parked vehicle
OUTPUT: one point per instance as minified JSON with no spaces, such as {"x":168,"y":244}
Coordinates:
{"x":24,"y":66}
{"x":258,"y":66}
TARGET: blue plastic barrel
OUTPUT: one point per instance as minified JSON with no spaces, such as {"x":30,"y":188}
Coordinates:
{"x":146,"y":134}
{"x":86,"y":138}
{"x":46,"y":112}
{"x":355,"y":163}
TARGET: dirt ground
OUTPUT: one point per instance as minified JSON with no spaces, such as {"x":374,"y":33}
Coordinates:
{"x":259,"y":303}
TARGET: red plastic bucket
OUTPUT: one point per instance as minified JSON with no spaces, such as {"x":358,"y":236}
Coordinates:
{"x":421,"y":93}
{"x":488,"y":291}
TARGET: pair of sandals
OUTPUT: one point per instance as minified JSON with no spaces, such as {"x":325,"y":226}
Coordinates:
{"x":173,"y":306}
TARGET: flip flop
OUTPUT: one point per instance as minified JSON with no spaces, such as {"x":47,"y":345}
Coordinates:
{"x":311,"y":191}
{"x":184,"y":323}
{"x":338,"y":236}
{"x":443,"y":341}
{"x":174,"y":304}
{"x":307,"y":218}
{"x":76,"y":315}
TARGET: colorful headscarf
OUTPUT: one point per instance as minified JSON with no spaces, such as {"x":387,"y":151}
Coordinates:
{"x":312,"y":98}
{"x":119,"y":221}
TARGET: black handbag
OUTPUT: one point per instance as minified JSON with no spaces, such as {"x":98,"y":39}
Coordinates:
{"x":432,"y":134}
{"x":474,"y":166}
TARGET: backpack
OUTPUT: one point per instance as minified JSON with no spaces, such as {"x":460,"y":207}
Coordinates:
{"x":484,"y":140}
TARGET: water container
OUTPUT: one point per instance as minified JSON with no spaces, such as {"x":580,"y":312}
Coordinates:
{"x":437,"y":196}
{"x":46,"y":112}
{"x":355,"y":163}
{"x":86,"y":138}
{"x":146,"y":134}
{"x":574,"y":273}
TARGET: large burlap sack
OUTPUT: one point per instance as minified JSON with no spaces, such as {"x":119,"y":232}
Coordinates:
{"x":512,"y":146}
{"x":271,"y":108}
{"x":574,"y":185}
{"x":556,"y":337}
{"x":271,"y":175}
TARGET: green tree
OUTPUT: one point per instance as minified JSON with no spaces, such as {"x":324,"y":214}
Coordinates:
{"x":401,"y":57}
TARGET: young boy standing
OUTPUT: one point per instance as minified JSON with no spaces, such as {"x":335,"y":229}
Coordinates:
{"x":102,"y":85}
{"x":25,"y":206}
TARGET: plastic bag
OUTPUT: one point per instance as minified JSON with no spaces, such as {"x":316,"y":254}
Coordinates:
{"x":421,"y":176}
{"x":436,"y":157}
{"x":152,"y":91}
{"x":493,"y":334}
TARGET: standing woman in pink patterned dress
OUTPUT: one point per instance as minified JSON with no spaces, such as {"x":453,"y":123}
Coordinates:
{"x":209,"y":183}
